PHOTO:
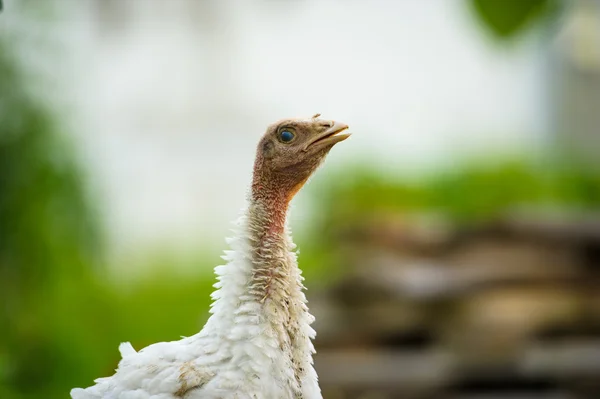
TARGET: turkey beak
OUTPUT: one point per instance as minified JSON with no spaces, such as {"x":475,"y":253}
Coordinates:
{"x":330,"y":136}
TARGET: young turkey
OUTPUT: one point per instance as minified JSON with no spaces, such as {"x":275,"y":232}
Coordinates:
{"x":257,"y":342}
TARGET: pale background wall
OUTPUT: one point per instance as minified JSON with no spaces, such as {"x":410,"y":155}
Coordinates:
{"x":168,"y":98}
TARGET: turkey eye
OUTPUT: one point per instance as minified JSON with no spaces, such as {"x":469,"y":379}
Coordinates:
{"x":286,"y":136}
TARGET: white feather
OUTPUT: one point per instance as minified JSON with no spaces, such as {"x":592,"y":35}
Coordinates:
{"x":238,"y":354}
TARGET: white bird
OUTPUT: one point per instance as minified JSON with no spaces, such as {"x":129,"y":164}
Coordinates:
{"x":258,"y":341}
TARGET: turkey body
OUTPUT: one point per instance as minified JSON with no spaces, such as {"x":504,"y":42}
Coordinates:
{"x":242,"y":352}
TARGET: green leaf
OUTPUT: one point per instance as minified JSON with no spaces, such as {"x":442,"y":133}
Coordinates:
{"x":507,"y":18}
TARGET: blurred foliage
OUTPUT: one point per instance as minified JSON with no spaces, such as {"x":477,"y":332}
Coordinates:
{"x":47,"y":230}
{"x":467,"y":194}
{"x":472,"y":192}
{"x":48,"y":236}
{"x":508,"y":18}
{"x":62,"y":317}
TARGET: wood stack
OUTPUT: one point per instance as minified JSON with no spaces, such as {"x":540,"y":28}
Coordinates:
{"x":509,"y":309}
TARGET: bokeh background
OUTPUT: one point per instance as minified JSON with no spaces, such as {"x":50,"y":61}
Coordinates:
{"x":451,"y":246}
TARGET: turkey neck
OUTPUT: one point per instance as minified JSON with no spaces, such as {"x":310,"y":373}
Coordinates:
{"x":261,"y":277}
{"x":260,"y":318}
{"x":275,"y":274}
{"x":275,"y":279}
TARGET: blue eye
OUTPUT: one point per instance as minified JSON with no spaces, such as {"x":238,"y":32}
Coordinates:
{"x":286,"y":136}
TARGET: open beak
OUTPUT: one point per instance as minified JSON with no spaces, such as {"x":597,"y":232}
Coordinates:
{"x":333,"y":135}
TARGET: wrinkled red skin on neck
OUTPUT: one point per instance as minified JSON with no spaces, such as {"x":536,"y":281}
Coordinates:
{"x":275,"y":202}
{"x":274,"y":191}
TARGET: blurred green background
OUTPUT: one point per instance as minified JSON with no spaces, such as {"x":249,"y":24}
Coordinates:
{"x":64,"y":311}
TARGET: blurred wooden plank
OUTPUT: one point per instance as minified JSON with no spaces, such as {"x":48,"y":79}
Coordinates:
{"x":515,"y":395}
{"x":384,"y":368}
{"x":554,"y":227}
{"x":435,"y":368}
{"x":564,"y":360}
{"x":418,"y":235}
{"x":422,"y":279}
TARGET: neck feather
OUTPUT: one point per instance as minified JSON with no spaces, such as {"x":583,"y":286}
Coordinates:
{"x":259,"y":297}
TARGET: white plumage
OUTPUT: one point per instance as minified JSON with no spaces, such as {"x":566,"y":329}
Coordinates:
{"x":239,"y":340}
